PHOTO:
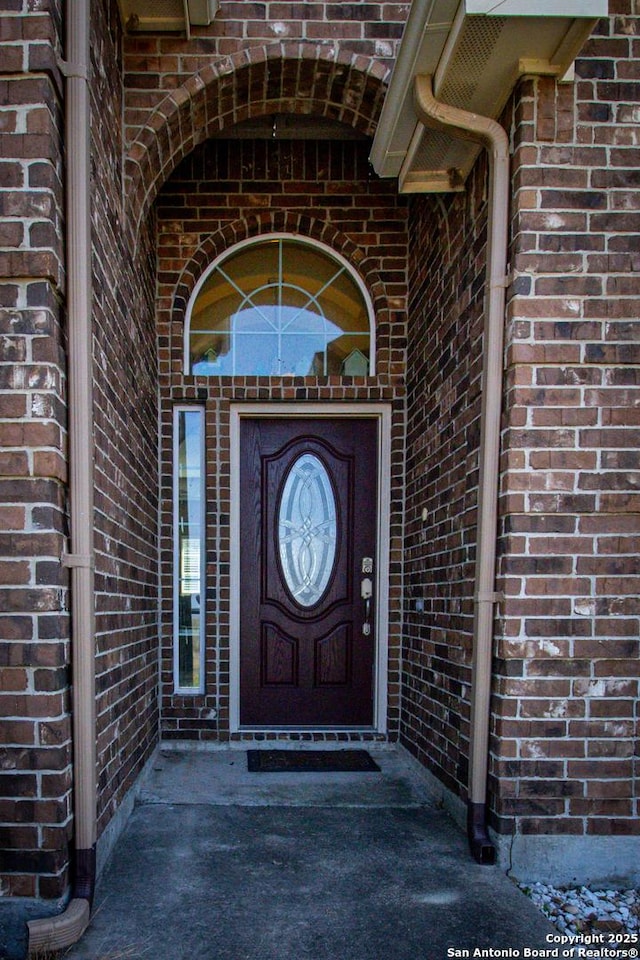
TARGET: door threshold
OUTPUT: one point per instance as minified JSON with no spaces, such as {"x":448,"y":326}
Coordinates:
{"x":295,"y":736}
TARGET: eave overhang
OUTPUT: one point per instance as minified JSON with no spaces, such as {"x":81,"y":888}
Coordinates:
{"x":475,"y":51}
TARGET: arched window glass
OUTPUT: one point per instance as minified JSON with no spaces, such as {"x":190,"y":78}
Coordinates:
{"x":279,"y":307}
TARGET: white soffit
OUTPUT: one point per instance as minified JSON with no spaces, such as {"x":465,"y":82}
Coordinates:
{"x":157,"y":16}
{"x":475,"y":50}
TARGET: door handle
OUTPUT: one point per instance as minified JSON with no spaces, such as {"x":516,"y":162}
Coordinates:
{"x":366,"y":592}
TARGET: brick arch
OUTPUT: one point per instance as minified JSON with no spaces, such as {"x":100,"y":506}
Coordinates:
{"x":302,"y":78}
{"x":279,"y":222}
{"x":263,"y":225}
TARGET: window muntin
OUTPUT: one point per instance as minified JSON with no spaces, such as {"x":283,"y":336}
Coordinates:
{"x":188,"y":511}
{"x":280,"y":307}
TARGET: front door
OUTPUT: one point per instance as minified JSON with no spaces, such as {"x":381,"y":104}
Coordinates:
{"x":308,"y":520}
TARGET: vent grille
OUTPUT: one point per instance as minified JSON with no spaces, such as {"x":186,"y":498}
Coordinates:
{"x":475,"y":48}
{"x":434,"y":152}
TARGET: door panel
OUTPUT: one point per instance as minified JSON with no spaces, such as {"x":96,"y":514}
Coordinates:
{"x":308,"y":518}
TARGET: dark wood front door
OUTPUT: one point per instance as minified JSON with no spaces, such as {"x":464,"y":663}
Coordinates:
{"x":308,"y":519}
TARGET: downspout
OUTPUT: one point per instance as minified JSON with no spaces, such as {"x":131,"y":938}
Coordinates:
{"x":59,"y":932}
{"x":489,"y":133}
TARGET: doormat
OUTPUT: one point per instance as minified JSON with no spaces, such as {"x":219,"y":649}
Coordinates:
{"x":310,"y":761}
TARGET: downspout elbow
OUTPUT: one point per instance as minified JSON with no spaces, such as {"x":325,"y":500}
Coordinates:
{"x":461,"y":124}
{"x":57,"y":933}
{"x":51,"y":934}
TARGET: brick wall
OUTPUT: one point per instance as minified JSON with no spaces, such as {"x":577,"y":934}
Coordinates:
{"x":155,"y":66}
{"x":567,"y":691}
{"x":35,"y":766}
{"x":125,"y":412}
{"x":566,"y":688}
{"x":224,"y":192}
{"x":444,"y":365}
{"x":327,"y":60}
{"x":36,"y":803}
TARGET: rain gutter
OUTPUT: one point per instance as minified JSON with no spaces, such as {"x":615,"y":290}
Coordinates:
{"x":489,"y":133}
{"x":55,"y":933}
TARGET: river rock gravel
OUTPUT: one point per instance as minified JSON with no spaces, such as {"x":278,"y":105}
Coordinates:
{"x":576,"y":910}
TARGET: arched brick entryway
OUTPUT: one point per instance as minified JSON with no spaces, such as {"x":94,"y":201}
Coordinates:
{"x":321,"y":190}
{"x":298,"y":78}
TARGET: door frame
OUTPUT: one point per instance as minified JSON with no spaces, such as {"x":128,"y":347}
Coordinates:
{"x":381,"y":413}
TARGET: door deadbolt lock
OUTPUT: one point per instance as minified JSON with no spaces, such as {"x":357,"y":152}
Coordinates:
{"x":367,"y":564}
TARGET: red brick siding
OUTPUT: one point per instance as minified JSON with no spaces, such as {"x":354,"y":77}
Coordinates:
{"x":565,"y":700}
{"x":158,"y":65}
{"x":309,"y":58}
{"x":125,"y":413}
{"x":444,"y":364}
{"x":35,"y":775}
{"x":567,"y":692}
{"x":36,"y":804}
{"x":226,"y":191}
{"x":565,"y":697}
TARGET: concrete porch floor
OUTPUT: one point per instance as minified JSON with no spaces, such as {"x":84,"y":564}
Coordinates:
{"x":220,"y":864}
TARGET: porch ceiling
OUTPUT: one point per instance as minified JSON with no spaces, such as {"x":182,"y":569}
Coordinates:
{"x":475,"y":50}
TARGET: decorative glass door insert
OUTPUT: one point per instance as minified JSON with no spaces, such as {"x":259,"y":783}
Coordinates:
{"x":307,"y":530}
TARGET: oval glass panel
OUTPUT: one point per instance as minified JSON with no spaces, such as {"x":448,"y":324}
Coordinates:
{"x":307,"y":530}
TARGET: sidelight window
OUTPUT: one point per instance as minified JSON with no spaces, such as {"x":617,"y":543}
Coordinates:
{"x":188,"y":512}
{"x":279,"y":306}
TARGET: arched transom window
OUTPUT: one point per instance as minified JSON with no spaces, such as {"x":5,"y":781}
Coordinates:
{"x":280,"y":306}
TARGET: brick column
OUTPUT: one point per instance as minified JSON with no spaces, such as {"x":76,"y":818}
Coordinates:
{"x":568,"y":671}
{"x":35,"y":772}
